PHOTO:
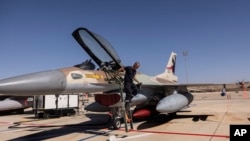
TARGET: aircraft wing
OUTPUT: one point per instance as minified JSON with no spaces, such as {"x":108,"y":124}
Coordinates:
{"x":213,"y":87}
{"x":201,"y":87}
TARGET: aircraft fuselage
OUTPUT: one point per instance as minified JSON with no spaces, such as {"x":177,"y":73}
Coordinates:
{"x":60,"y":81}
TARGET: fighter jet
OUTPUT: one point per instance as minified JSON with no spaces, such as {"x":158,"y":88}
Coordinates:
{"x":159,"y":94}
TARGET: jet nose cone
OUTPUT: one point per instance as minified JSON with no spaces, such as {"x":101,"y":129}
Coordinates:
{"x":47,"y":82}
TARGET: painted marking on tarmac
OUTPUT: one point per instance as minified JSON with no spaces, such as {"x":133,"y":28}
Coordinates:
{"x":6,"y":123}
{"x":98,"y":133}
{"x":178,"y":133}
{"x":130,"y":137}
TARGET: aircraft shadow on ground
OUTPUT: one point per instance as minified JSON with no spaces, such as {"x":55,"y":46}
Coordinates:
{"x":96,"y":122}
{"x":163,"y":118}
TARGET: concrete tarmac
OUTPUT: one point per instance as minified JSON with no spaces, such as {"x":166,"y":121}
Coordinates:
{"x":208,"y":119}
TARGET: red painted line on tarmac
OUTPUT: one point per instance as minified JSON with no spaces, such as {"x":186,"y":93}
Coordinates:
{"x":6,"y":123}
{"x":178,"y":133}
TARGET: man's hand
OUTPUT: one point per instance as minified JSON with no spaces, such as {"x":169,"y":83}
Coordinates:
{"x":139,"y":85}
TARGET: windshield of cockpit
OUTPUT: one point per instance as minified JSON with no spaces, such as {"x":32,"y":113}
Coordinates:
{"x":96,"y":47}
{"x":108,"y":46}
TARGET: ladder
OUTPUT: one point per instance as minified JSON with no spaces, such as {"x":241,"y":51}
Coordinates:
{"x":125,"y":106}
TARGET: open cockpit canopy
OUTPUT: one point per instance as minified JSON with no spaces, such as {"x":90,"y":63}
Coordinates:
{"x":98,"y":48}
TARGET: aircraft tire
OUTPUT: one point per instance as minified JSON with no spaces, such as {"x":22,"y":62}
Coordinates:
{"x":117,"y":123}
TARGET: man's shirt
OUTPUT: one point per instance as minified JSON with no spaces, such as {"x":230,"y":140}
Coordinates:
{"x":130,"y":74}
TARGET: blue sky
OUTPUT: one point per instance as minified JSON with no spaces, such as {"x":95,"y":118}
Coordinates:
{"x":36,"y":35}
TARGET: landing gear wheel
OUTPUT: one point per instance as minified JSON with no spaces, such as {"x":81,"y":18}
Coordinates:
{"x":117,"y":123}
